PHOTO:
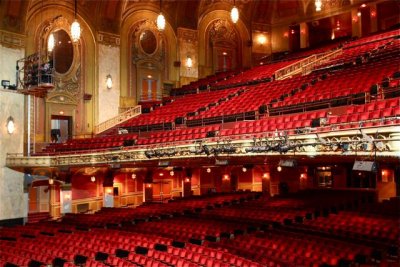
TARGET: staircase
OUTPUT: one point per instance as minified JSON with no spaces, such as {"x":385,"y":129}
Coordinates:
{"x":305,"y":65}
{"x":124,"y":116}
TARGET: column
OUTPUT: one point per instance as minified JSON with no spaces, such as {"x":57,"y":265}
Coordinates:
{"x":65,"y":199}
{"x":355,"y":23}
{"x":373,"y":17}
{"x":304,"y":35}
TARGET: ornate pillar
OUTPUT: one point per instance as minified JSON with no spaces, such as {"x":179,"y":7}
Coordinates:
{"x":355,"y":23}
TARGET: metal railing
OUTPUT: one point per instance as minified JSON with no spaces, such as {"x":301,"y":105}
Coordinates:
{"x":293,"y":68}
{"x":321,"y":59}
{"x":130,"y":113}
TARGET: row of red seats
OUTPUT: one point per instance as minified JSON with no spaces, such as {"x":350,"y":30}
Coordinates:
{"x":178,"y":108}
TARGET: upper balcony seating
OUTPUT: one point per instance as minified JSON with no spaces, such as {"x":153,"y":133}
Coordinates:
{"x":201,"y":84}
{"x":254,"y":75}
{"x":343,"y":83}
{"x":378,"y":77}
{"x":180,"y":107}
{"x":252,"y":99}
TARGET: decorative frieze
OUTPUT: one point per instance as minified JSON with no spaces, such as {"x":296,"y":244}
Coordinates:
{"x":108,"y":39}
{"x":12,"y":40}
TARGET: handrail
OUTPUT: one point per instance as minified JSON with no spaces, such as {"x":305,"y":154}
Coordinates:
{"x":305,"y":65}
{"x":130,"y":113}
{"x":320,"y":60}
{"x":293,"y":68}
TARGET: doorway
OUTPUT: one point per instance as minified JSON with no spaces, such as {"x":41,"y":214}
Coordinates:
{"x":61,"y":128}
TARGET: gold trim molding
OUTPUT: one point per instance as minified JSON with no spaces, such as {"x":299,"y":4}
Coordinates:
{"x":12,"y":40}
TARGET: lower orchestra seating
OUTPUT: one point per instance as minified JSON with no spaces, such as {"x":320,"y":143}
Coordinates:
{"x":312,"y":228}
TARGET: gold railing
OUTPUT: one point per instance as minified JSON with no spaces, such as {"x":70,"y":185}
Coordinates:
{"x":321,"y":59}
{"x":130,"y":113}
{"x":306,"y":65}
{"x":293,"y":68}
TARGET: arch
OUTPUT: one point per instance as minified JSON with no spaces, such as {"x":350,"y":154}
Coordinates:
{"x":129,"y":80}
{"x":205,"y":62}
{"x":76,"y":82}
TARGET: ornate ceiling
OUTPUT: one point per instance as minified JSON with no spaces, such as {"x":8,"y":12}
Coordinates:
{"x":108,"y":15}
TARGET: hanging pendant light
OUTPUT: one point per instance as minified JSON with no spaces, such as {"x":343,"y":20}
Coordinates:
{"x":234,"y":13}
{"x":75,"y":28}
{"x":160,"y":20}
{"x":50,"y":43}
{"x":318,"y":5}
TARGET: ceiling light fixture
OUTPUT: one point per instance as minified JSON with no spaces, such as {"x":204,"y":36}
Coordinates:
{"x":51,"y":43}
{"x":234,"y":13}
{"x":318,"y":5}
{"x":75,"y":27}
{"x":160,"y":20}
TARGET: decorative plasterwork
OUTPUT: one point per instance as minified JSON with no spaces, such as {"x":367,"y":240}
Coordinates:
{"x":188,"y":43}
{"x":61,"y":98}
{"x":138,"y":54}
{"x":222,"y":30}
{"x":108,"y":39}
{"x":68,"y":82}
{"x":12,"y":40}
{"x":365,"y":144}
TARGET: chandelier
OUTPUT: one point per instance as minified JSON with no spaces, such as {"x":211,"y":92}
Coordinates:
{"x":160,"y":20}
{"x":234,"y":13}
{"x":75,"y":28}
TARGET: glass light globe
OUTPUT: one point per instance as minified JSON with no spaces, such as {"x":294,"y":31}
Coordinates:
{"x":234,"y":14}
{"x":161,"y":22}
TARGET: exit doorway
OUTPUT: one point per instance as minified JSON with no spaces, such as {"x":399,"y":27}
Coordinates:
{"x":61,"y":128}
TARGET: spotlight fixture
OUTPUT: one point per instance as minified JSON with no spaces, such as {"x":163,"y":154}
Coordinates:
{"x":234,"y":13}
{"x":160,"y":20}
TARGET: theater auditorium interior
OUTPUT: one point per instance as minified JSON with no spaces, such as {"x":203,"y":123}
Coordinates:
{"x":214,"y":133}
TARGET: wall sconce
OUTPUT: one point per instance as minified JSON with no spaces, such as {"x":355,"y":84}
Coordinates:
{"x":51,"y":181}
{"x":226,"y":177}
{"x":187,"y":180}
{"x":261,"y":39}
{"x":109,"y":81}
{"x":279,"y":168}
{"x":171,"y":173}
{"x":133,"y":176}
{"x":208,"y":170}
{"x":10,"y":125}
{"x":189,"y":62}
{"x":244,"y":169}
{"x":93,"y":179}
{"x":265,"y":175}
